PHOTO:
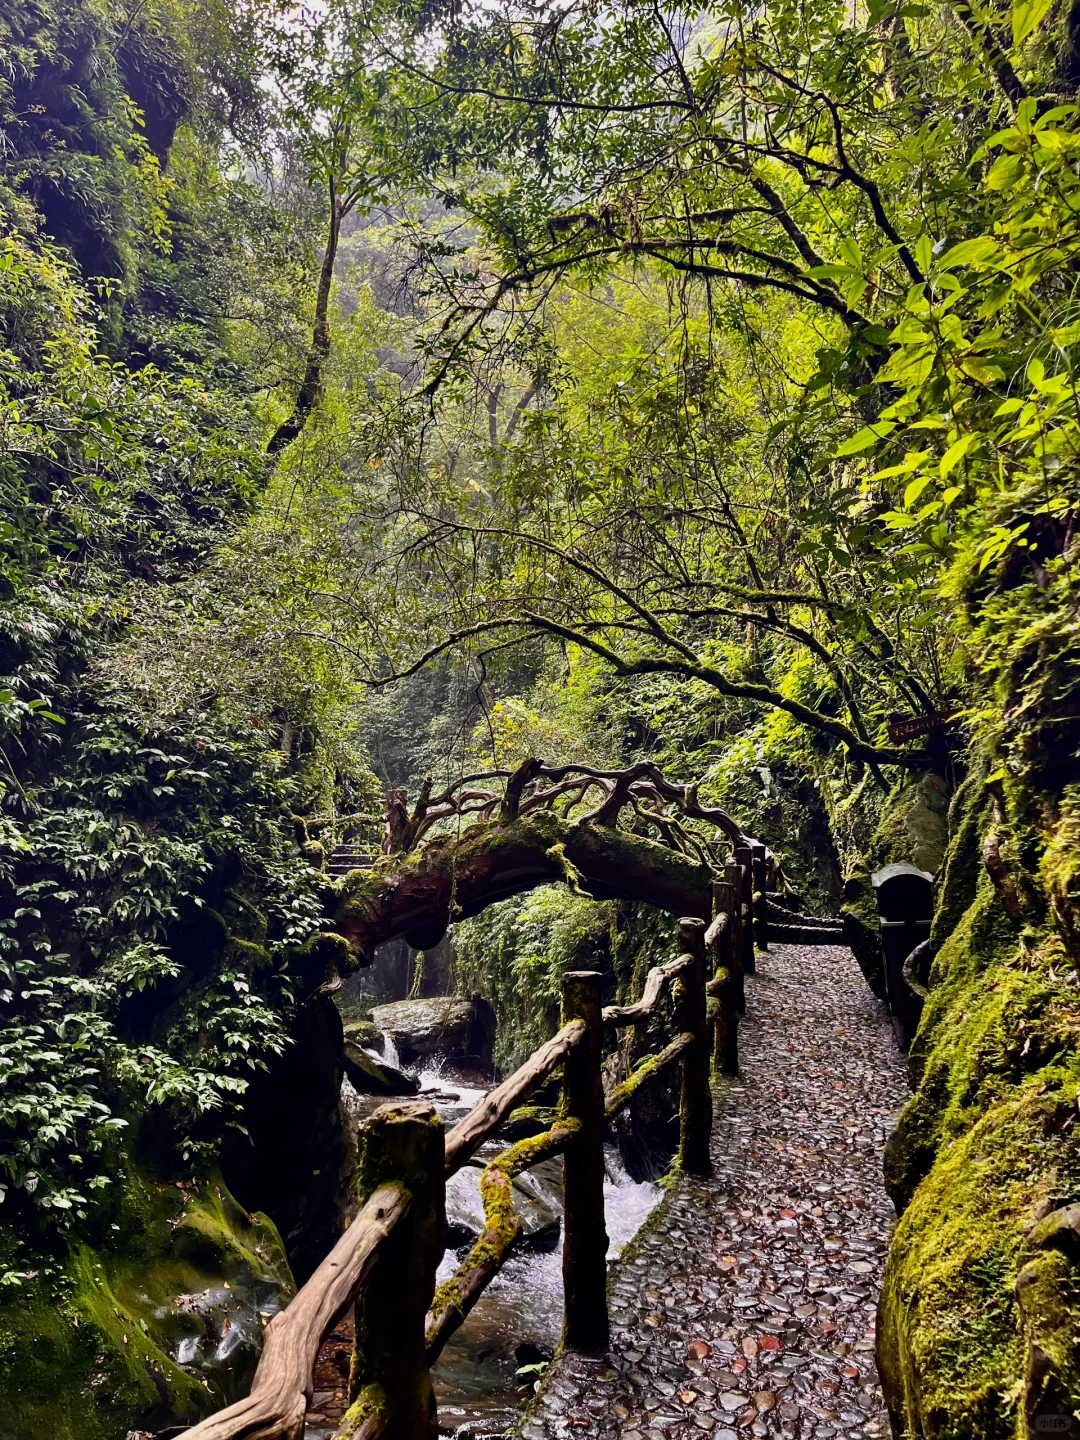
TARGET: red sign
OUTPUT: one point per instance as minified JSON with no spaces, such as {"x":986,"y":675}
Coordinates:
{"x":901,"y":730}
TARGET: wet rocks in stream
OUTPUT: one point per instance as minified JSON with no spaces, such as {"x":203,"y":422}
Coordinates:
{"x":746,"y":1307}
{"x":444,"y":1025}
{"x":369,"y":1076}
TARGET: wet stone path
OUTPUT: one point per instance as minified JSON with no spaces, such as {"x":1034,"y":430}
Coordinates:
{"x":746,"y":1306}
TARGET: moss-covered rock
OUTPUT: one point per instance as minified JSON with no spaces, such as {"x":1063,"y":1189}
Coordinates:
{"x":981,"y":1306}
{"x":952,"y":1343}
{"x":157,"y":1325}
{"x":369,"y":1076}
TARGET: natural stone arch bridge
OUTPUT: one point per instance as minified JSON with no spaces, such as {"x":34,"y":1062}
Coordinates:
{"x":738,"y":1356}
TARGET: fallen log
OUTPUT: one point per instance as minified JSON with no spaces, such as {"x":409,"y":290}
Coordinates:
{"x":417,"y":894}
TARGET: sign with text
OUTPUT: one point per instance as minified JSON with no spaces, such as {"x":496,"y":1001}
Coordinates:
{"x":915,"y":726}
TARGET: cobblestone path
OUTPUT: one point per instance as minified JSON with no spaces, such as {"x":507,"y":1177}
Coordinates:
{"x":746,"y":1306}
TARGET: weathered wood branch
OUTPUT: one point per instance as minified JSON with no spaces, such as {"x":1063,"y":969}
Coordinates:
{"x":646,"y":1007}
{"x":456,"y":1297}
{"x":649,"y":1068}
{"x":781,"y":915}
{"x":716,"y":929}
{"x":274,"y":1409}
{"x":491,"y":1109}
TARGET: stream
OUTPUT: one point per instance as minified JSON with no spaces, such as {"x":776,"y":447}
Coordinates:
{"x":518,"y":1319}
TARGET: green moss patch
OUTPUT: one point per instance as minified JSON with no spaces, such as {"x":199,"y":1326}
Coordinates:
{"x":156,"y":1326}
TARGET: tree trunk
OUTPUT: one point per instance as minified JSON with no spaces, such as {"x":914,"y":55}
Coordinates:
{"x":311,"y":387}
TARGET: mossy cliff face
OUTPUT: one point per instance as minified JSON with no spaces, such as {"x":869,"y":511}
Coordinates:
{"x":981,"y":1303}
{"x":157,"y":1323}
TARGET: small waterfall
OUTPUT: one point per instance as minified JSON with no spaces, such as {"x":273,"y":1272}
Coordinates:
{"x":390,"y":1051}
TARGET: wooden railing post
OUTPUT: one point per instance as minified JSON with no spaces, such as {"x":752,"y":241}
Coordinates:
{"x":728,"y":974}
{"x":733,"y":877}
{"x":695,"y":1107}
{"x":726,"y":901}
{"x":761,"y":919}
{"x":585,"y":1241}
{"x":745,"y":860}
{"x":402,"y":1144}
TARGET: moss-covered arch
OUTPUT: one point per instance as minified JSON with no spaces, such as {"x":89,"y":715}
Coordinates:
{"x":454,"y":877}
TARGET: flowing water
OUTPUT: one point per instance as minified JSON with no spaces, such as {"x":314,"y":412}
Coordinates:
{"x":390,"y":1054}
{"x":517,"y":1320}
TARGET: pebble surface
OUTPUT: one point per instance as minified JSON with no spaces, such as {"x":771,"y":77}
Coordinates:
{"x":746,"y":1307}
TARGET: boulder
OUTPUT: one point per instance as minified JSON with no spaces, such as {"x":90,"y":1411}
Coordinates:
{"x":444,"y":1025}
{"x":364,"y":1032}
{"x":369,"y":1076}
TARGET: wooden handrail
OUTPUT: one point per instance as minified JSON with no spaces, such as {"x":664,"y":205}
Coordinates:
{"x":491,"y":1109}
{"x":276,"y":1405}
{"x":274,"y":1408}
{"x":716,"y":929}
{"x":645,"y":1008}
{"x":456,"y":1297}
{"x":618,"y":1099}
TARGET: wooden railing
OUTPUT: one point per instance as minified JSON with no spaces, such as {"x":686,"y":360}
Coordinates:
{"x":385,"y":1263}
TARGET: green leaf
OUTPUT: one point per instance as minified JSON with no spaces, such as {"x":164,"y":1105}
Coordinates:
{"x":983,"y":374}
{"x":956,"y":452}
{"x":976,"y":251}
{"x":866,"y":437}
{"x":913,"y":490}
{"x":1026,"y":16}
{"x":909,"y":463}
{"x":1005,"y":172}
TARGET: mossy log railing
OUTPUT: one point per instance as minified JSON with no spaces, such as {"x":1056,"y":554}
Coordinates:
{"x":384,"y":1265}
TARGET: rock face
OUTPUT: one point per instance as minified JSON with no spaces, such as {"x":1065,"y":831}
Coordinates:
{"x":369,"y":1076}
{"x":293,"y":1110}
{"x":445,"y":1025}
{"x":161,"y":1323}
